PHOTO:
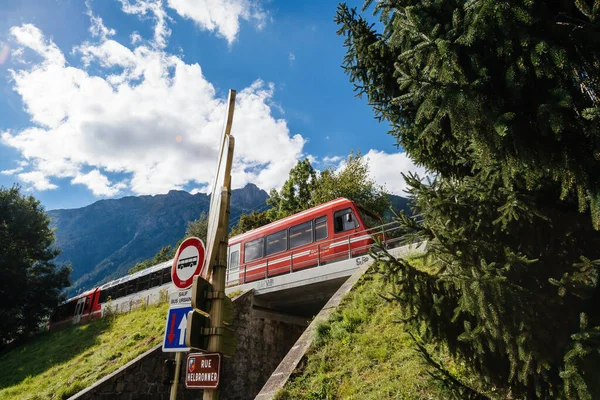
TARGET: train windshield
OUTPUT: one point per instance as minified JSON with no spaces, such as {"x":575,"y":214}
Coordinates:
{"x":370,"y":219}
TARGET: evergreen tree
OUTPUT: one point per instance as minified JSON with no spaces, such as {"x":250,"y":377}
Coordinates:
{"x":499,"y":100}
{"x":30,"y":282}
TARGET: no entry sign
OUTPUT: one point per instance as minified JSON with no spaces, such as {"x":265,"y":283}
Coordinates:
{"x":188,"y":262}
{"x":203,"y":371}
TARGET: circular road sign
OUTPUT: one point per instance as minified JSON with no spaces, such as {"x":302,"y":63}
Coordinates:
{"x":188,"y":262}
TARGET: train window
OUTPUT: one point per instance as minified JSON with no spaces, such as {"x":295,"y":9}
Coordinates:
{"x":103,"y":296}
{"x":344,"y":221}
{"x":155,"y":279}
{"x":320,"y":228}
{"x":253,"y":250}
{"x":133,"y":286}
{"x":370,"y":219}
{"x":277,"y":242}
{"x":300,"y":234}
{"x":120,"y":291}
{"x":88,"y":301}
{"x":234,"y":260}
{"x":166,"y":276}
{"x":143,"y":282}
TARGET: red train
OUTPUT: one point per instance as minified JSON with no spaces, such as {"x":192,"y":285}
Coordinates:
{"x":339,"y":229}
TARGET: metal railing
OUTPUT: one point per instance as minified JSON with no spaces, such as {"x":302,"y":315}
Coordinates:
{"x":319,"y":253}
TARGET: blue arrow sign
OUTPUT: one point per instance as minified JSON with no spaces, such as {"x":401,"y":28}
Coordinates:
{"x":175,"y":329}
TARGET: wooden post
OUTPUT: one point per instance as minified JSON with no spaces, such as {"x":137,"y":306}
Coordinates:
{"x":218,"y":283}
{"x":176,"y":377}
{"x":217,"y":237}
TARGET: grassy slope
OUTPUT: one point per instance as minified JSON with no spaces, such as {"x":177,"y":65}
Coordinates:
{"x":361,"y":352}
{"x":56,"y":365}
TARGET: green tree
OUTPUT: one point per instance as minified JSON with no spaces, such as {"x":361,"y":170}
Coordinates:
{"x":352,"y":181}
{"x":197,"y":228}
{"x":499,"y":100}
{"x":251,"y":221}
{"x":306,"y":188}
{"x":30,"y":282}
{"x":296,"y":193}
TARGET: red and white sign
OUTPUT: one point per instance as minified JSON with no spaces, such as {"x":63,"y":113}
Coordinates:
{"x":203,"y":371}
{"x":188,"y":262}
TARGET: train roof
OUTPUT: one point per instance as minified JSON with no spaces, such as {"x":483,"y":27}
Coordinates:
{"x":238,"y":238}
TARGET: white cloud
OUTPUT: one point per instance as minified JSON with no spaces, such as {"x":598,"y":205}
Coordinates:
{"x":98,"y":183}
{"x":30,"y":36}
{"x":222,"y":16}
{"x":135,"y":38}
{"x":332,"y":160}
{"x":386,"y":168}
{"x":291,"y":57}
{"x":38,"y":180}
{"x":143,"y":8}
{"x":11,"y":171}
{"x":97,"y":28}
{"x":150,"y":116}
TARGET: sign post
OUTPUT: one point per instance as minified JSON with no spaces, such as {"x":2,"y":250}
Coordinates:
{"x":187,"y":263}
{"x":218,"y":223}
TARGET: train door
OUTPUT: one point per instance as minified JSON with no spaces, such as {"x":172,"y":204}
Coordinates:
{"x":233,"y":265}
{"x":79,"y":310}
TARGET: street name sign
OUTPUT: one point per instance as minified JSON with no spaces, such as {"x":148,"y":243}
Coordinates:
{"x":188,"y":262}
{"x":203,"y":371}
{"x":175,"y":328}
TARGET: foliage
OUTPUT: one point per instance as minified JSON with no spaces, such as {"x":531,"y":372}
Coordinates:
{"x":251,"y":221}
{"x":198,"y":227}
{"x":361,"y":352}
{"x":296,"y":193}
{"x":306,"y":188}
{"x":500,"y":101}
{"x":468,"y":84}
{"x":56,"y":365}
{"x":30,"y":282}
{"x":352,"y":181}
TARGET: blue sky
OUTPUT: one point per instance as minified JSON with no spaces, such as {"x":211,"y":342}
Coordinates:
{"x":104,"y":99}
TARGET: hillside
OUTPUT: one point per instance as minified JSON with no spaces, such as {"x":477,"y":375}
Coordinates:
{"x":363,"y":352}
{"x":104,"y":240}
{"x":56,"y":365}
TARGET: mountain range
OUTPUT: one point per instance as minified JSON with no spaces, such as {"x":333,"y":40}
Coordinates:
{"x":104,"y":240}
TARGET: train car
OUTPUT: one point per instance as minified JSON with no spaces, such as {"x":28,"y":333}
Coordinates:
{"x":336,"y":230}
{"x":323,"y":234}
{"x":123,"y":294}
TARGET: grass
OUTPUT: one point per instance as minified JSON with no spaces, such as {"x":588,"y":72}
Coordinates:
{"x":363,"y":352}
{"x":56,"y":365}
